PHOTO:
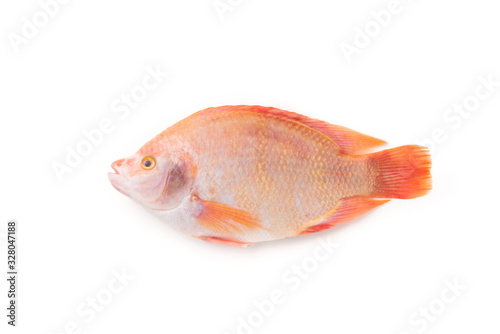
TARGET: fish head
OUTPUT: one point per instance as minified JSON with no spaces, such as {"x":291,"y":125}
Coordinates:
{"x":157,"y":181}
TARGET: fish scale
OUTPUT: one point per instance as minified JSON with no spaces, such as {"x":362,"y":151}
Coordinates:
{"x":289,"y":155}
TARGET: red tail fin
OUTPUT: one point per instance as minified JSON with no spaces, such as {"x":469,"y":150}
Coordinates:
{"x":402,"y":172}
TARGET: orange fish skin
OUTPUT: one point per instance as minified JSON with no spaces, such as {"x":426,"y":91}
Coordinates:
{"x":251,"y":174}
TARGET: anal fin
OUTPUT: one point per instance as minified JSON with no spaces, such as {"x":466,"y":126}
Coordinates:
{"x":345,"y":210}
{"x":226,"y":242}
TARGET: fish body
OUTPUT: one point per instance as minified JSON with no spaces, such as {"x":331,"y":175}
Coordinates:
{"x":242,"y":174}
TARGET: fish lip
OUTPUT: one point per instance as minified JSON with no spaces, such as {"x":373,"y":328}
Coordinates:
{"x":116,"y":178}
{"x":114,"y":168}
{"x":117,"y":165}
{"x":117,"y":181}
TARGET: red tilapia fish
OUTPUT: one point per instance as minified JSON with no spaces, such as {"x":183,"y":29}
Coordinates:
{"x":236,"y":175}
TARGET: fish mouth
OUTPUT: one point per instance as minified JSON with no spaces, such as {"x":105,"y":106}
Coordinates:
{"x":115,"y":176}
{"x":117,"y":181}
{"x":113,"y":166}
{"x":117,"y":164}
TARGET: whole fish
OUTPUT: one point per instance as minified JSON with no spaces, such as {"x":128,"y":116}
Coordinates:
{"x":236,"y":175}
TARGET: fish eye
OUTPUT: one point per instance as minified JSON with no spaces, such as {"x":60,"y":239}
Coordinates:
{"x":148,"y":163}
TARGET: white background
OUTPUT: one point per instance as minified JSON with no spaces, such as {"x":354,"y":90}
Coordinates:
{"x":286,"y":54}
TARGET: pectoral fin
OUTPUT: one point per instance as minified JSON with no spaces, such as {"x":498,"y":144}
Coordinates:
{"x":224,"y":219}
{"x":345,"y":210}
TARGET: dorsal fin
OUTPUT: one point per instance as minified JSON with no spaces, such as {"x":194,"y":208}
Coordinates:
{"x":349,"y":141}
